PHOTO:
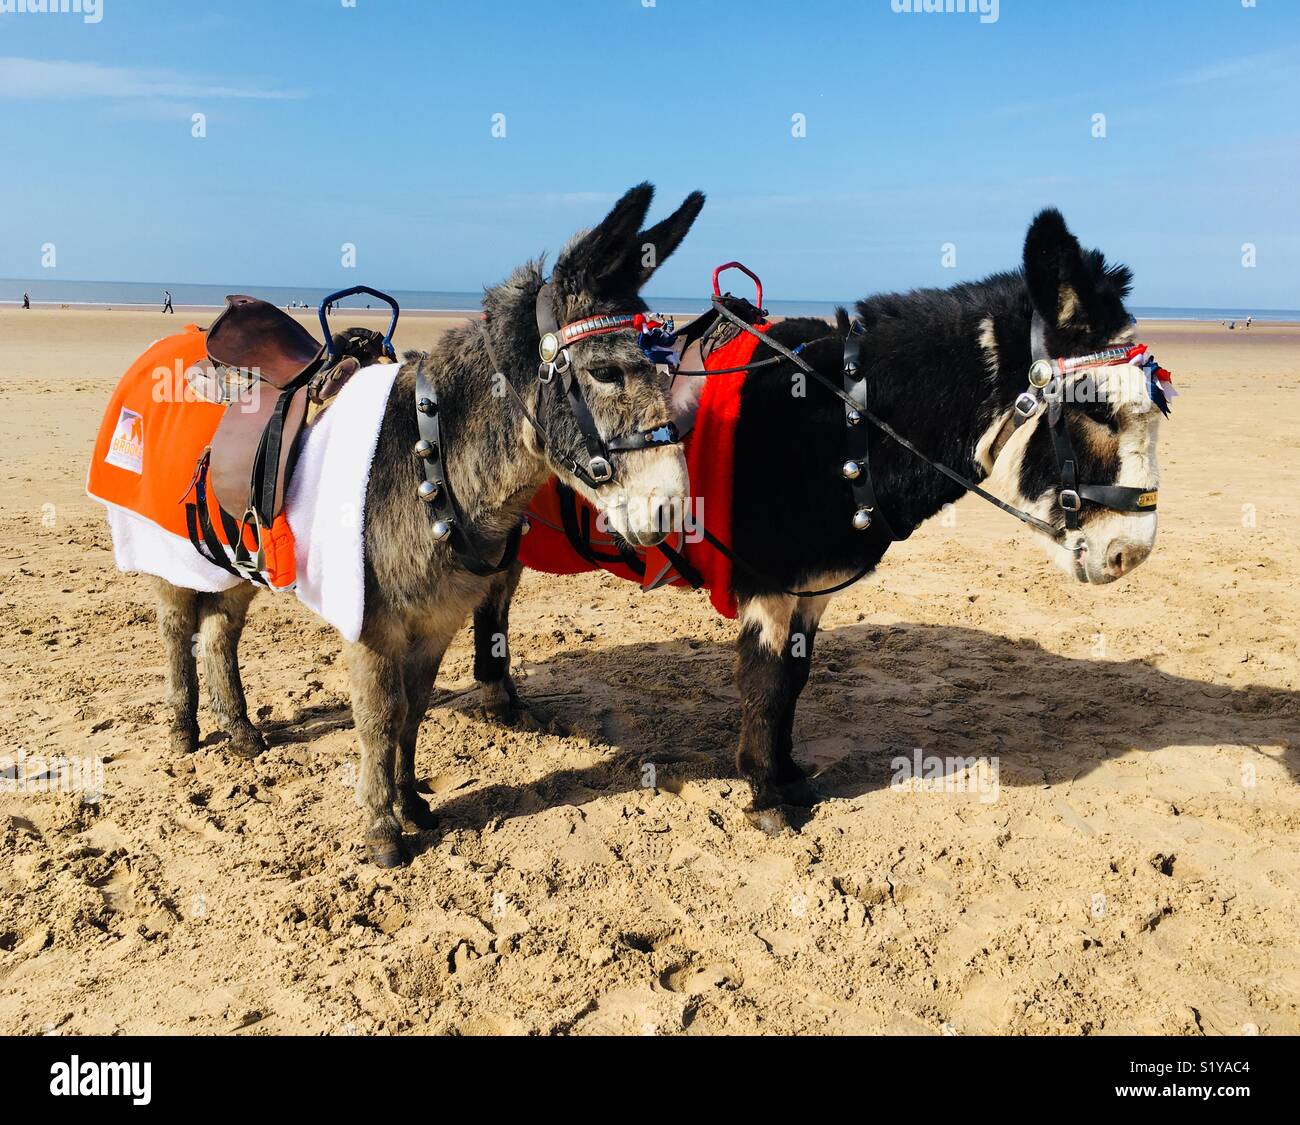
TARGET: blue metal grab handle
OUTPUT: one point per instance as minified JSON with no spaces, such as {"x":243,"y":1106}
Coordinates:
{"x":324,"y":323}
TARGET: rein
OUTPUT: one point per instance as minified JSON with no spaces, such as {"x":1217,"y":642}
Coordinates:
{"x":1047,"y":378}
{"x":855,"y":405}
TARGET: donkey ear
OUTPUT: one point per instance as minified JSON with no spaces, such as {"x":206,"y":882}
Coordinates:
{"x":1060,"y":285}
{"x":604,"y":249}
{"x":654,"y":246}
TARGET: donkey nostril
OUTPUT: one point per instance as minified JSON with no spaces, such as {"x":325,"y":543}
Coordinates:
{"x":1124,"y":556}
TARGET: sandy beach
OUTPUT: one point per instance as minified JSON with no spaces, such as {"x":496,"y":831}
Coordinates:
{"x":1136,"y":870}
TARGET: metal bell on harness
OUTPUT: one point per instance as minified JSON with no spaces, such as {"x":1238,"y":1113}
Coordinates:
{"x":861,"y":519}
{"x":426,"y":450}
{"x":851,"y":470}
{"x":441,"y":529}
{"x":428,"y":491}
{"x":854,"y":417}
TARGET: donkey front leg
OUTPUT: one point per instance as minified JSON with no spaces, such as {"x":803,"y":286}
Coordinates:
{"x":379,"y":711}
{"x":765,"y":675}
{"x":221,"y":621}
{"x":492,"y":646}
{"x":178,"y":616}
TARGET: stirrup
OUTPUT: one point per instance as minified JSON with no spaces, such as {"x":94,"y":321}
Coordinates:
{"x":249,"y":565}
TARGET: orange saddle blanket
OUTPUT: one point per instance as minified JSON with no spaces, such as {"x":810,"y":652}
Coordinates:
{"x":153,"y":436}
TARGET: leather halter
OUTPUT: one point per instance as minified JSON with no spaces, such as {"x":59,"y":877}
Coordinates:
{"x":553,"y":349}
{"x":1047,"y":386}
{"x":435,"y":490}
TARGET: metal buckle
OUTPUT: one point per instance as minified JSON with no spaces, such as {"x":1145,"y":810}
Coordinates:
{"x":1026,"y":405}
{"x":1070,"y":500}
{"x":600,"y":469}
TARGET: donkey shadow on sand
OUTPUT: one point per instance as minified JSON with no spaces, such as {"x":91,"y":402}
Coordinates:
{"x":950,"y":691}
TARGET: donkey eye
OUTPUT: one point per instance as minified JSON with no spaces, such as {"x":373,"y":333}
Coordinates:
{"x":608,"y":375}
{"x":1100,"y":412}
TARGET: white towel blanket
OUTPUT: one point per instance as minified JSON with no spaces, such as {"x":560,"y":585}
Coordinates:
{"x":324,"y":504}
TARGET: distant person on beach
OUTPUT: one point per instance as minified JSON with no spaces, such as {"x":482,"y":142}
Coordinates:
{"x":167,"y":302}
{"x":27,"y":299}
{"x":1249,"y":321}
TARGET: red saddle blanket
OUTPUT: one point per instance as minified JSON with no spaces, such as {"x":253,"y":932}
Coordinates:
{"x":154,"y":432}
{"x":710,"y":455}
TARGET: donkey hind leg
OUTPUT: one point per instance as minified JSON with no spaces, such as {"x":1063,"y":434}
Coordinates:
{"x":790,"y":777}
{"x":221,"y":621}
{"x":379,"y":714}
{"x":764,"y":674}
{"x":178,"y":616}
{"x":419,"y":671}
{"x":492,"y":647}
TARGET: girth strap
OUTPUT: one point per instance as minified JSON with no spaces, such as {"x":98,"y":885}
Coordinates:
{"x":203,"y":536}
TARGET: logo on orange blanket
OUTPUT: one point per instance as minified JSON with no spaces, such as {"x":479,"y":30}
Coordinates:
{"x":126,"y":450}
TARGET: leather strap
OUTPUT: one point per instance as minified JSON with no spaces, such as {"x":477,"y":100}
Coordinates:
{"x":579,"y":536}
{"x":858,"y":440}
{"x":266,"y":464}
{"x":467,"y":546}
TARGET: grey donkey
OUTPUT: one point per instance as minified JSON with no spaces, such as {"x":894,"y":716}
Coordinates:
{"x":418,"y":593}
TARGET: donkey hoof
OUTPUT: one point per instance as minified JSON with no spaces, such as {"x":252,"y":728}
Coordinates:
{"x":799,"y":793}
{"x":183,"y":740}
{"x":247,"y":742}
{"x":773,"y":821}
{"x":388,"y":853}
{"x":415,"y":815}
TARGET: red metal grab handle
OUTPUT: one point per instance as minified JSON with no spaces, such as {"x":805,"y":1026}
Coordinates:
{"x":758,"y":284}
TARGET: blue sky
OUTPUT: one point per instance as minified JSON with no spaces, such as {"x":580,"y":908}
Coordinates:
{"x":372,"y":125}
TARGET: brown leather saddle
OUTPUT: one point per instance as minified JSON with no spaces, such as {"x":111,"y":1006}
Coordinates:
{"x":270,"y":369}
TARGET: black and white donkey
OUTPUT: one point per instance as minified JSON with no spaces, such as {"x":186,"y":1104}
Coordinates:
{"x":950,"y":370}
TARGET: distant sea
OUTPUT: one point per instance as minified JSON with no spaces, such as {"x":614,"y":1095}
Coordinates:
{"x":133,"y":294}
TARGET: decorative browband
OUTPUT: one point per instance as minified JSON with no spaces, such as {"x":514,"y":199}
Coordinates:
{"x":595,"y":326}
{"x":553,"y":342}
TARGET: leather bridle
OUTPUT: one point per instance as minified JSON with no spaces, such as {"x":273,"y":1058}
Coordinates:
{"x":1048,"y":380}
{"x":555,"y":369}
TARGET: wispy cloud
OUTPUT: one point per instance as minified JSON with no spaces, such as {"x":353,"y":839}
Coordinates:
{"x":1280,"y":62}
{"x":32,"y":79}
